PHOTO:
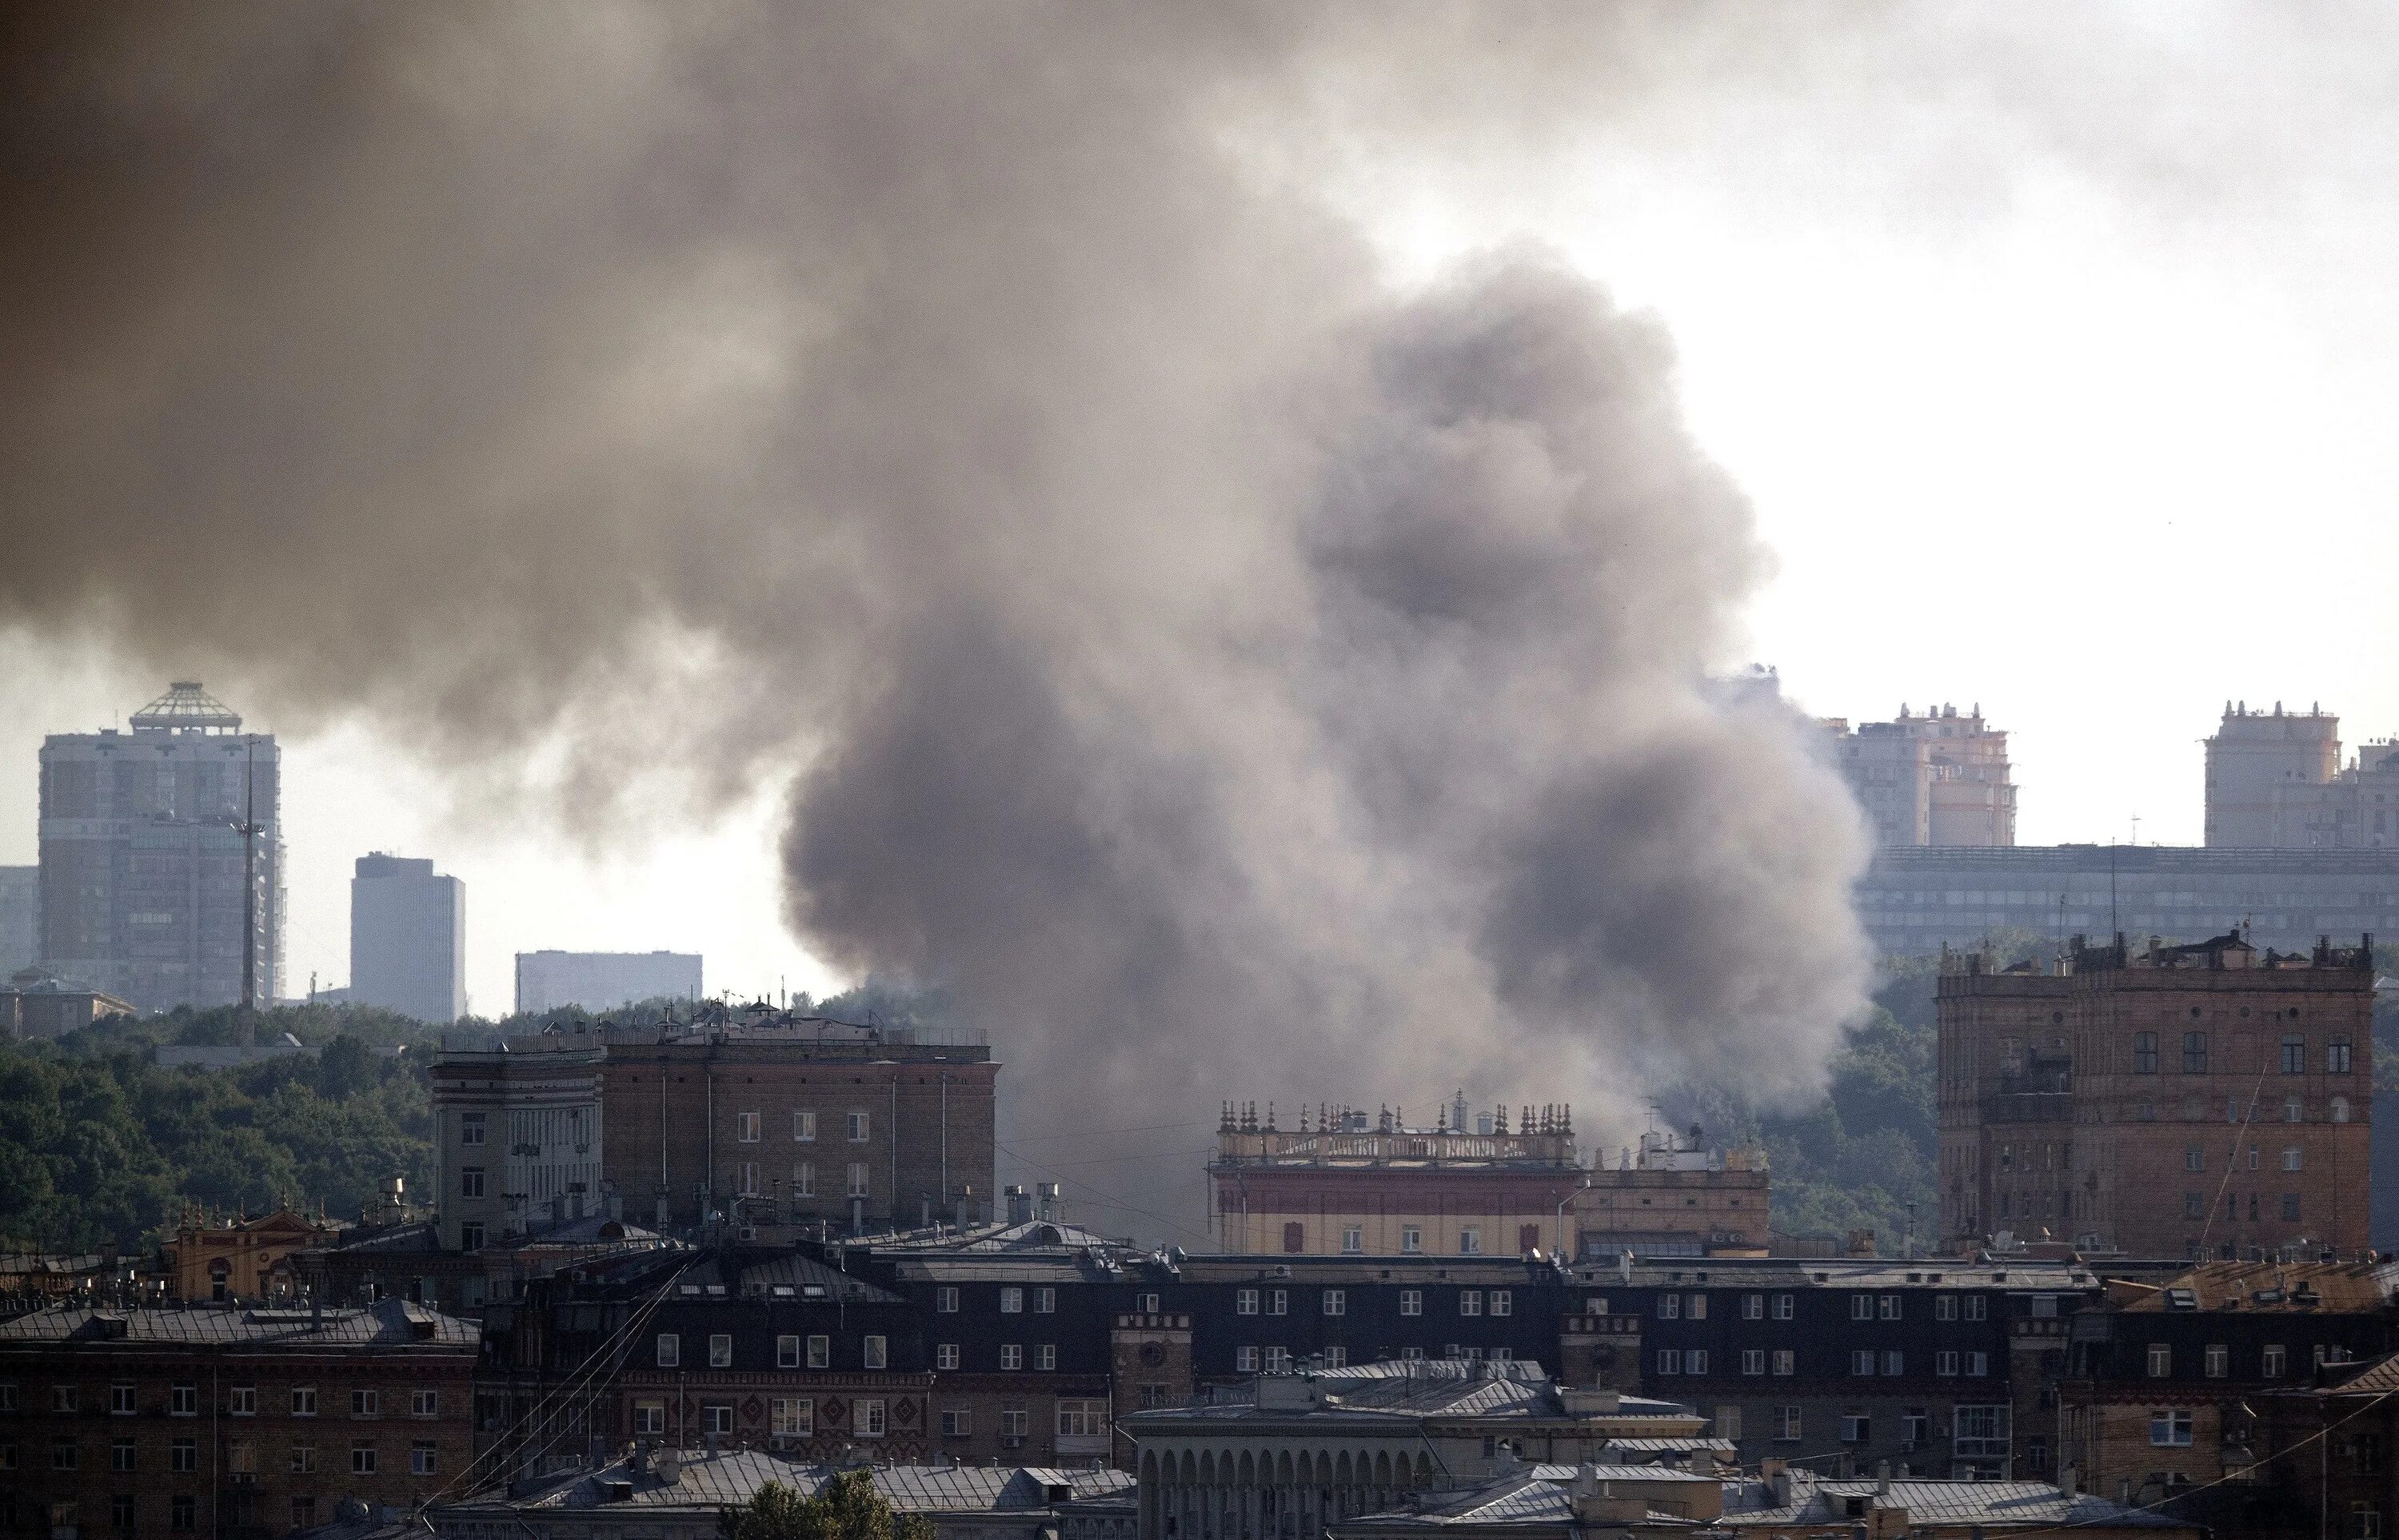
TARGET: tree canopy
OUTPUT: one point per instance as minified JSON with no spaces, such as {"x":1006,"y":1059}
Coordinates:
{"x":846,"y":1508}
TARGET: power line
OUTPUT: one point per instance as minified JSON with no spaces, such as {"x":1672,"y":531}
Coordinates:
{"x":1107,"y":1197}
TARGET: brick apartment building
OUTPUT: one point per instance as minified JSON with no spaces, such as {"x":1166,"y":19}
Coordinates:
{"x":770,"y":1118}
{"x":2208,"y":1098}
{"x":233,"y":1422}
{"x":2164,"y":1387}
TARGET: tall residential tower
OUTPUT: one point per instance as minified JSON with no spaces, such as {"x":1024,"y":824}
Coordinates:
{"x":1938,"y":778}
{"x":162,"y":856}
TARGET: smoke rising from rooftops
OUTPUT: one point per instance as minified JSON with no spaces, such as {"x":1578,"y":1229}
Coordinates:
{"x":1230,"y":677}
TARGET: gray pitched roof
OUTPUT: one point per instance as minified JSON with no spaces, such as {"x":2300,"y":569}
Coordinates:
{"x":1990,"y":1503}
{"x":732,"y":1477}
{"x":1517,"y":1388}
{"x":386,"y":1323}
{"x":1537,"y":1495}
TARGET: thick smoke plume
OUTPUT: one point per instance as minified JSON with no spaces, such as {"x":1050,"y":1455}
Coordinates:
{"x":1229,"y":676}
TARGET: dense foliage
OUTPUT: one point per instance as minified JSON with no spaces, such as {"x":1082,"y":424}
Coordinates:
{"x":98,"y":1144}
{"x":848,"y":1509}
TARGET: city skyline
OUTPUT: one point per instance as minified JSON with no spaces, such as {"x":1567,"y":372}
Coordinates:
{"x":710,"y":886}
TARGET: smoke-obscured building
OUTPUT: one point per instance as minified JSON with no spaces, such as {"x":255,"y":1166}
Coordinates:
{"x":2258,"y":758}
{"x":162,"y":856}
{"x":1940,"y":778}
{"x":20,"y":912}
{"x":1914,"y":902}
{"x":408,"y":938}
{"x":1351,"y":1184}
{"x":2275,"y":780}
{"x":2209,"y":1099}
{"x":1675,"y":1198}
{"x":768,"y":1118}
{"x":601,"y":980}
{"x":1369,"y":1185}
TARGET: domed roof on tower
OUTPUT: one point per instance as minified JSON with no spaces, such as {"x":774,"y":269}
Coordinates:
{"x":185,"y":708}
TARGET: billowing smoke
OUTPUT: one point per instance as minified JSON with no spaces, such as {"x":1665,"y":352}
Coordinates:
{"x":1227,"y":675}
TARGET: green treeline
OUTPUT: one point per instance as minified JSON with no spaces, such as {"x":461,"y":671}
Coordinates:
{"x":98,"y":1144}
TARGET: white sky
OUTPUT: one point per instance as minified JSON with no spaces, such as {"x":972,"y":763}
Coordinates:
{"x":2022,"y":429}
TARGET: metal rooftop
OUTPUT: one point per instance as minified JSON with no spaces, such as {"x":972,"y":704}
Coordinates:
{"x":185,"y":708}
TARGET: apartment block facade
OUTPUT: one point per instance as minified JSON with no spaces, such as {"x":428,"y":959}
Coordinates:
{"x":519,"y":1132}
{"x":1939,"y":778}
{"x":162,"y":856}
{"x":231,"y":1421}
{"x":2204,"y":1099}
{"x":767,"y":1118}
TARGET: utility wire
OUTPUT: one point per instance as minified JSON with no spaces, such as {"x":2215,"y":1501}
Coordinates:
{"x":1108,"y":1198}
{"x":587,"y":1369}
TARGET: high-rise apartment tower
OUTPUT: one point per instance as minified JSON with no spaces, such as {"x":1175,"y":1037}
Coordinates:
{"x":162,"y":856}
{"x":2257,"y":760}
{"x":1938,"y":778}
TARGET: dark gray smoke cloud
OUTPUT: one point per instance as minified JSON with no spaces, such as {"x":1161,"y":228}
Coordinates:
{"x":1230,"y":677}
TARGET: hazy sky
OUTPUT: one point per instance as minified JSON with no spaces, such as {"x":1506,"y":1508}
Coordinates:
{"x":2054,"y":349}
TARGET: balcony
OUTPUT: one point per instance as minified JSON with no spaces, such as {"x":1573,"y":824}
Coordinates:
{"x":2028,"y":1107}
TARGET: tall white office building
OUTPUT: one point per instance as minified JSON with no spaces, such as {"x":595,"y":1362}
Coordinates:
{"x":408,"y":938}
{"x":599,"y":981}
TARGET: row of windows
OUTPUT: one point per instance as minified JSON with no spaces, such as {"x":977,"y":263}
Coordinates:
{"x":791,"y":1351}
{"x":241,"y":1401}
{"x":2194,"y":1206}
{"x":747,"y":1128}
{"x":796,"y":1417}
{"x":2294,"y":1110}
{"x":748,"y":1178}
{"x":2292,"y":1056}
{"x":2194,"y":1158}
{"x":2215,"y":1359}
{"x":1976,"y":1429}
{"x":1354,"y":1239}
{"x":1862,"y":1307}
{"x":1076,"y":1419}
{"x":241,"y":1457}
{"x":182,"y":1512}
{"x":788,"y":1416}
{"x":1783,"y":1361}
{"x":1336,"y":1302}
